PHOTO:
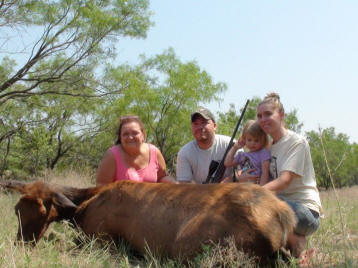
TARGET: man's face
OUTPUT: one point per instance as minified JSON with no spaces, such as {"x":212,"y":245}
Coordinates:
{"x":203,"y":129}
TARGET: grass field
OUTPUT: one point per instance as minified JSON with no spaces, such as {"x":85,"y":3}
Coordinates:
{"x":335,"y":243}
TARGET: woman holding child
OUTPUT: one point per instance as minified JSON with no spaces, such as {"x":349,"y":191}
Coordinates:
{"x":291,"y":170}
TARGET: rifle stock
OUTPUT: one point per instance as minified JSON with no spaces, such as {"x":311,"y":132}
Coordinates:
{"x":216,"y":176}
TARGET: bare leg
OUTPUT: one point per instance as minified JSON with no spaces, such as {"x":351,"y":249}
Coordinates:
{"x":296,"y":243}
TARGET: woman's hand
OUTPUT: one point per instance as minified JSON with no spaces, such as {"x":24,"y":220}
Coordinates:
{"x":226,"y":180}
{"x":247,"y":177}
{"x":168,"y":179}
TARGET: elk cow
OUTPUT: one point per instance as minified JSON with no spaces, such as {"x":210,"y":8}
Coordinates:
{"x":173,"y":220}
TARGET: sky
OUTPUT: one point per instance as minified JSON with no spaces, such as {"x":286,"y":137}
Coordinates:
{"x":305,"y":50}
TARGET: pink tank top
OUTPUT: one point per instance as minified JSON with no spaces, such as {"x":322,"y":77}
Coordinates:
{"x":146,"y":174}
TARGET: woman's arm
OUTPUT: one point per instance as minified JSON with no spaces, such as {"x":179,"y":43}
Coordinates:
{"x":106,"y":171}
{"x":265,"y":172}
{"x":162,"y":171}
{"x":282,"y":182}
{"x":247,"y":177}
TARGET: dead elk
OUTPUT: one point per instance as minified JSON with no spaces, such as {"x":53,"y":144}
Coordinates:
{"x":173,"y":220}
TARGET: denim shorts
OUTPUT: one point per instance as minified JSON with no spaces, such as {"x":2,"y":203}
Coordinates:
{"x":307,"y":219}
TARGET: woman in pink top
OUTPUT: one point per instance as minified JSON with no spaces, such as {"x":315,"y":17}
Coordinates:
{"x":132,"y":158}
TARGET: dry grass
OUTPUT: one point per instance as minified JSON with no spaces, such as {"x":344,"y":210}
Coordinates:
{"x":65,"y":247}
{"x":334,"y":246}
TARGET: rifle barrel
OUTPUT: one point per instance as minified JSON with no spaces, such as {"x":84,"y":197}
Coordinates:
{"x":217,"y":176}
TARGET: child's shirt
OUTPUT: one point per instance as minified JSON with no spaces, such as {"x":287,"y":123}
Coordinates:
{"x":252,"y":160}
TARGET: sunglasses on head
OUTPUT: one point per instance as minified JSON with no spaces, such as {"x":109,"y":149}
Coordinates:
{"x":128,"y":117}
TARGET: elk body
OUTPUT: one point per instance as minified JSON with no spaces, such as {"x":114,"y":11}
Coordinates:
{"x":173,"y":220}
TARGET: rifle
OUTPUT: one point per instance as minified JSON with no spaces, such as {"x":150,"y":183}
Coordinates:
{"x":216,"y":170}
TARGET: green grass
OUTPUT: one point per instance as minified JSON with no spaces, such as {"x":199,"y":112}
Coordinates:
{"x":63,"y":246}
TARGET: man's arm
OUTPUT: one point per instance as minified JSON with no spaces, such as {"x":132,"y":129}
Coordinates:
{"x":183,"y":169}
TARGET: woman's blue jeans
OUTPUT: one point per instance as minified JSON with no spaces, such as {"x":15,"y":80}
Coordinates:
{"x":307,"y":220}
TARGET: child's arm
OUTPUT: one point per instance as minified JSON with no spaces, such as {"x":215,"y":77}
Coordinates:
{"x":265,"y":172}
{"x":229,"y":159}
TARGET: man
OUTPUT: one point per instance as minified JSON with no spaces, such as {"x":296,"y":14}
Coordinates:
{"x":194,"y":158}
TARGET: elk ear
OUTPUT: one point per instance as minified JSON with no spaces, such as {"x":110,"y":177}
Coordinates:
{"x":65,"y":206}
{"x":14,"y":185}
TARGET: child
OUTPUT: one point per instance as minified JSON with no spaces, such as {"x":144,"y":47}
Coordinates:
{"x":257,"y":159}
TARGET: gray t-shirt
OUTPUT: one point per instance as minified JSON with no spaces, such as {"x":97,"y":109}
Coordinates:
{"x":193,"y":163}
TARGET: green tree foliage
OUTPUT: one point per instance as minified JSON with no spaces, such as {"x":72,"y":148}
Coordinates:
{"x":72,"y":33}
{"x":341,"y":157}
{"x":65,"y":44}
{"x":227,"y":120}
{"x":13,"y":118}
{"x":54,"y":126}
{"x":292,"y":122}
{"x":163,"y":91}
{"x":354,"y":163}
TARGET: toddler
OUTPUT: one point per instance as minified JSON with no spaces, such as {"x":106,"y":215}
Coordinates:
{"x":257,"y":159}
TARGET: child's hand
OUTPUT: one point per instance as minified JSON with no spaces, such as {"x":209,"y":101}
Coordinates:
{"x":240,"y":143}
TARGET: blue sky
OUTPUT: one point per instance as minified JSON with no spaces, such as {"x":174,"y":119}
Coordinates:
{"x":307,"y":51}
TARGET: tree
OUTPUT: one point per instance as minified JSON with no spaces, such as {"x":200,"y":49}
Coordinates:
{"x":58,"y":124}
{"x":70,"y":41}
{"x":163,"y":91}
{"x":354,"y":164}
{"x":292,"y":122}
{"x":339,"y":155}
{"x":13,"y":118}
{"x":73,"y":33}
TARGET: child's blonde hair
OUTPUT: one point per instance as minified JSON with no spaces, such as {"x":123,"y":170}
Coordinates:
{"x":253,"y":128}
